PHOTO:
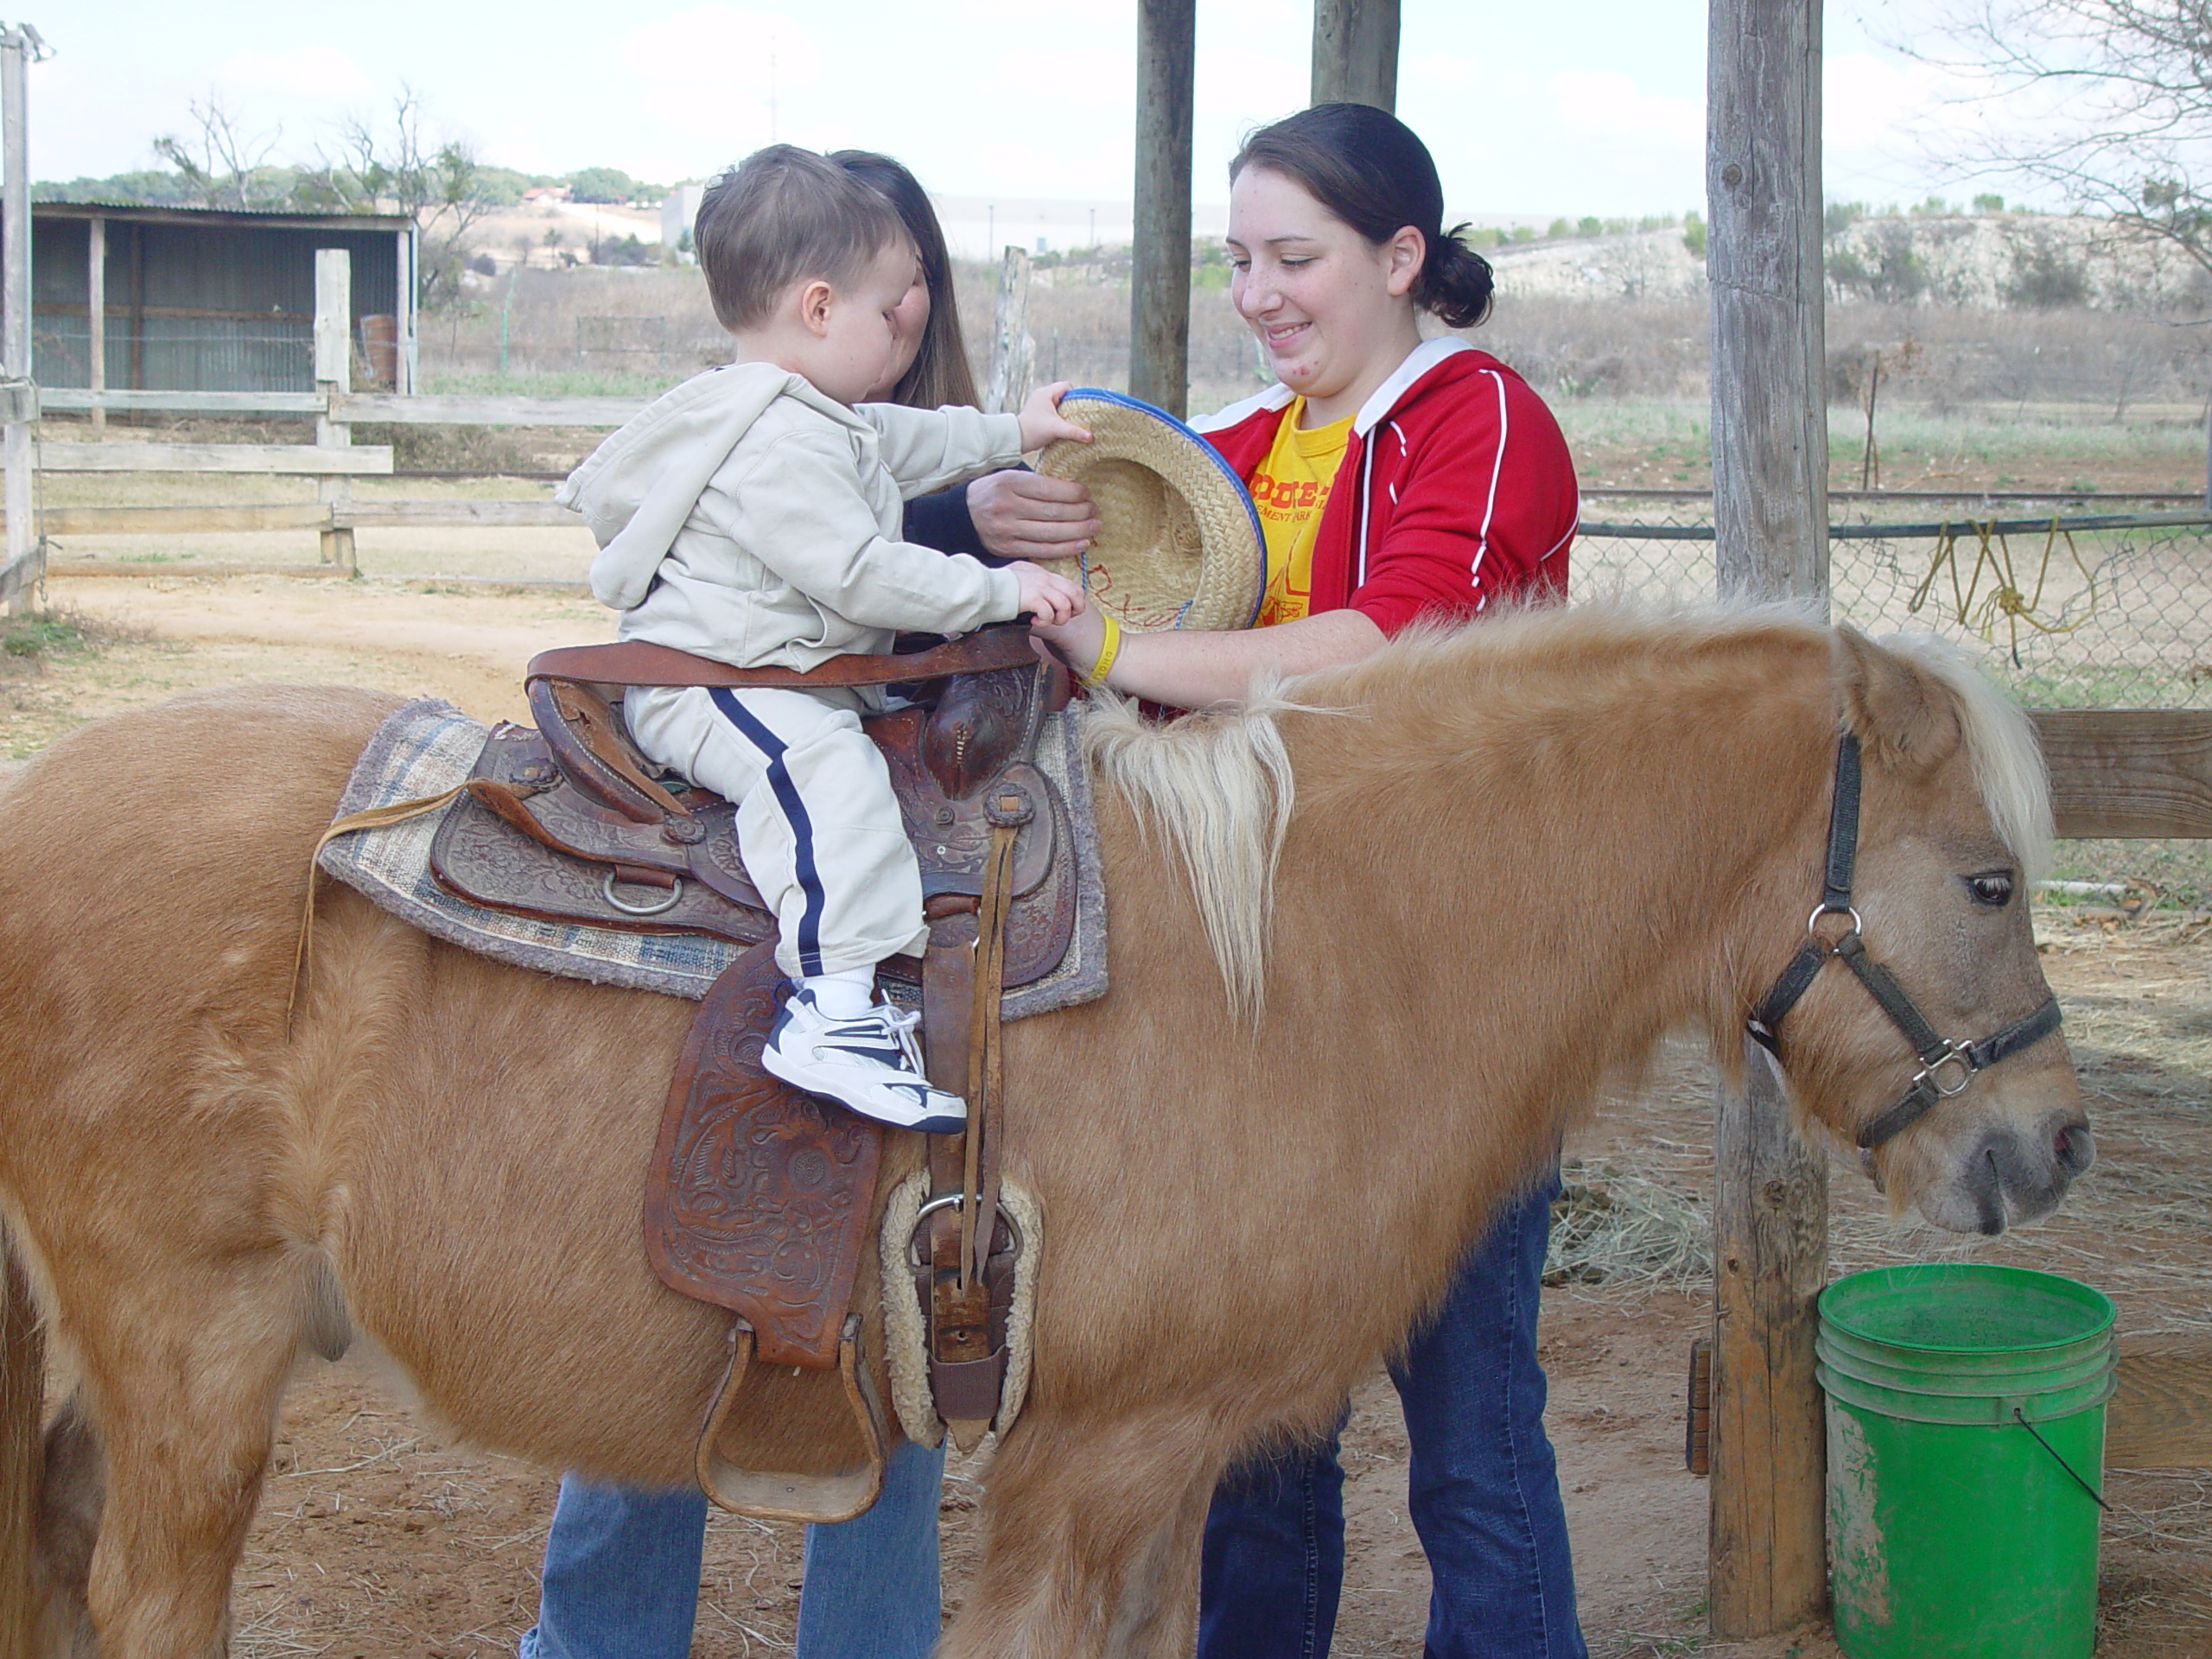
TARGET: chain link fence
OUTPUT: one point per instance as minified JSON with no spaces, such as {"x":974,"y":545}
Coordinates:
{"x":2108,"y":610}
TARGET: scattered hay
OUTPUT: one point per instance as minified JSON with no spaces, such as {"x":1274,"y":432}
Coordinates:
{"x":1630,"y":1232}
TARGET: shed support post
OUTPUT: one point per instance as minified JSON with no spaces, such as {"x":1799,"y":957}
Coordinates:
{"x":1159,"y":278}
{"x":1356,"y":52}
{"x":25,"y":567}
{"x":22,"y":1404}
{"x":408,"y":254}
{"x":1770,"y":478}
{"x":96,"y":320}
{"x":333,"y":378}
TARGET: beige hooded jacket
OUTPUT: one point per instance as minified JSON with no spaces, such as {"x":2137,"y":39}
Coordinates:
{"x":746,"y":517}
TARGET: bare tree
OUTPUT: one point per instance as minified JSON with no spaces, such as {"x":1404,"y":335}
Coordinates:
{"x":222,"y":163}
{"x":2110,"y":101}
{"x":401,"y":170}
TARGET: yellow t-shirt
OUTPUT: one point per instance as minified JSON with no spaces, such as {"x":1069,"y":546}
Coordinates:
{"x":1290,"y":489}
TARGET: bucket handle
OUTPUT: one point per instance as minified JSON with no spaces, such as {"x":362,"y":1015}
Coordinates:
{"x":2019,"y":1418}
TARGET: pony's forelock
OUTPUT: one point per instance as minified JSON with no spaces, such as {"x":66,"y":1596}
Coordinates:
{"x":2008,"y":764}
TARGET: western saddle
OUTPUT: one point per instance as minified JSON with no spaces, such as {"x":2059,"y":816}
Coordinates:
{"x":759,"y":1199}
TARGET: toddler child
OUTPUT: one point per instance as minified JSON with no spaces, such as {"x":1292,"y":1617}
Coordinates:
{"x":752,"y":515}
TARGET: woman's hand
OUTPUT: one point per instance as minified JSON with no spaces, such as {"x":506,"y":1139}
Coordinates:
{"x":1040,"y":418}
{"x":1029,"y":515}
{"x":1050,"y":599}
{"x":1076,"y":642}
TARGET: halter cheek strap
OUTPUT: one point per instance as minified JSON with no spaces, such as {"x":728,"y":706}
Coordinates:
{"x":1946,"y":1066}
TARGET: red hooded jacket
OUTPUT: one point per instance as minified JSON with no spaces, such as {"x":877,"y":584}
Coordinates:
{"x":1455,"y":488}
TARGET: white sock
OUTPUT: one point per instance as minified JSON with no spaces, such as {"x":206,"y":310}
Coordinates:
{"x":843,"y":995}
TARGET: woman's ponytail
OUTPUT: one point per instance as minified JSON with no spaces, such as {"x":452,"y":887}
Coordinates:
{"x":1370,"y":170}
{"x":1456,"y":282}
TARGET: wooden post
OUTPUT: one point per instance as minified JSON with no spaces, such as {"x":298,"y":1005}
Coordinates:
{"x":95,"y":318}
{"x":1769,"y":480}
{"x":22,"y":1404}
{"x":333,"y":378}
{"x":403,"y":377}
{"x":1013,"y":352}
{"x":1159,"y":278}
{"x":20,"y":574}
{"x":1356,"y":52}
{"x":137,"y":307}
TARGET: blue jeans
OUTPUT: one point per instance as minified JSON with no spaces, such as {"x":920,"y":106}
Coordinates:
{"x":622,"y":1571}
{"x":1481,"y":1489}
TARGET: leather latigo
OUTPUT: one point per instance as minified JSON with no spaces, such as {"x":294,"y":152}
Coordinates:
{"x":760,"y":1199}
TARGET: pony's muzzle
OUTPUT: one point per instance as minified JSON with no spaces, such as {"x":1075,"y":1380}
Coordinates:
{"x":2013,"y":1179}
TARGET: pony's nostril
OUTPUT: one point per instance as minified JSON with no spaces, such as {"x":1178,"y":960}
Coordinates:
{"x":2075,"y":1148}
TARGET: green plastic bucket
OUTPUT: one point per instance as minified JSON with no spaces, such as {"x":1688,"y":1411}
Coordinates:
{"x":1966,"y":1426}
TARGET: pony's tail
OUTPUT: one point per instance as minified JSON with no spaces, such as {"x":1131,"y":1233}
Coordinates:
{"x":22,"y":1458}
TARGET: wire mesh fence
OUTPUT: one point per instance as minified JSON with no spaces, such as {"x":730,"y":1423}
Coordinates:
{"x":2066,"y":610}
{"x":272,"y":355}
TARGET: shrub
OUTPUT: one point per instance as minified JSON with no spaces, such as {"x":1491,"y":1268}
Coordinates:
{"x":1694,"y":234}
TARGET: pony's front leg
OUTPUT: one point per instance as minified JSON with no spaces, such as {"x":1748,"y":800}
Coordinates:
{"x":184,"y":1402}
{"x":1091,"y":1548}
{"x":1158,"y":1609}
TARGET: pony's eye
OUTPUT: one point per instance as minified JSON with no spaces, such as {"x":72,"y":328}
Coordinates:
{"x":1992,"y":887}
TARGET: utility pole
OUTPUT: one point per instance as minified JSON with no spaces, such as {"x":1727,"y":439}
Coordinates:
{"x":1160,"y":274}
{"x":1770,"y":525}
{"x":1356,"y":52}
{"x":25,"y":567}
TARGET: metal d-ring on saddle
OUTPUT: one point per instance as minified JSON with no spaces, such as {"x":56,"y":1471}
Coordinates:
{"x":1947,"y":1065}
{"x":760,"y":1199}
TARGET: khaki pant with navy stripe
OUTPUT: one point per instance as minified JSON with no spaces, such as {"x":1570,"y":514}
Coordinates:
{"x":817,"y":824}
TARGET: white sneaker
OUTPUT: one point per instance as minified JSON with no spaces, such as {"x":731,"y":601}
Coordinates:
{"x":868,"y":1063}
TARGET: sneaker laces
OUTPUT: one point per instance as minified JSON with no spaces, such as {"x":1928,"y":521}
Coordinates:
{"x":900,"y":1023}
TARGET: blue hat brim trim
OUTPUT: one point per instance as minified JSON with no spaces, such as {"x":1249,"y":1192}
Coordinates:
{"x":1099,"y":394}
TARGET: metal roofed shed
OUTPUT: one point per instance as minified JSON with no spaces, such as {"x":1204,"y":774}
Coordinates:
{"x":209,"y":299}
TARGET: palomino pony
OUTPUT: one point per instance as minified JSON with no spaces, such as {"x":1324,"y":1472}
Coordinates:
{"x":1442,"y":900}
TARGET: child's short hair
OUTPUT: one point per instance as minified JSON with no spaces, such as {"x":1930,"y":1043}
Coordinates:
{"x":782,"y":215}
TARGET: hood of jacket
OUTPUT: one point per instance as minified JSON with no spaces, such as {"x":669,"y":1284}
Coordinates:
{"x":636,"y":490}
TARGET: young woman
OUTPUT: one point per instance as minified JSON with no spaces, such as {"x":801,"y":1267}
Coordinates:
{"x":1397,"y":479}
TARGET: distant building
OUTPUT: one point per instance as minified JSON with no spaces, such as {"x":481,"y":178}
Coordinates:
{"x":679,"y":210}
{"x":211,"y":300}
{"x":546,"y":193}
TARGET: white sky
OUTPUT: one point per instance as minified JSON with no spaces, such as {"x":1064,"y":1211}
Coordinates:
{"x":1581,"y":106}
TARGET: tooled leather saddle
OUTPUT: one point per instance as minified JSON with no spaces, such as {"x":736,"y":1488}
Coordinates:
{"x":759,"y":1198}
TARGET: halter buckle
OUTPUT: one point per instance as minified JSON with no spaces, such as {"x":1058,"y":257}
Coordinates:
{"x":1954,"y":1054}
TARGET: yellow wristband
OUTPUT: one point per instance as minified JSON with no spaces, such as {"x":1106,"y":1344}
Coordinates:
{"x":1108,"y":648}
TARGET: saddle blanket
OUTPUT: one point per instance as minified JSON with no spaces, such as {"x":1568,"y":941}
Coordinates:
{"x":429,"y":746}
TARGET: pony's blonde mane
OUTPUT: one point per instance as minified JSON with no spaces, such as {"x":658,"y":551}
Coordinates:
{"x":1219,"y":788}
{"x":2007,"y":760}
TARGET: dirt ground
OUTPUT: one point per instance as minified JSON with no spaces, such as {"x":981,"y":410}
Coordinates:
{"x":379,"y":1538}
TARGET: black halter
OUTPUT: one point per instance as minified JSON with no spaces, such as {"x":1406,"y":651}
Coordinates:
{"x":1946,"y":1067}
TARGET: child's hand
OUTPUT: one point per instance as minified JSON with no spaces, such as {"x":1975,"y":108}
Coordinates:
{"x":1052,"y":598}
{"x":1040,"y":418}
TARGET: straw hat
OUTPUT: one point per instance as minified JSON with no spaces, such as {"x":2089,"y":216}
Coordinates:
{"x":1178,"y":542}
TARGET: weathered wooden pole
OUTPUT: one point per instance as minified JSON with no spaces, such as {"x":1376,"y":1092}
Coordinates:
{"x":20,"y":574}
{"x":1014,"y":353}
{"x":1159,"y":276}
{"x":95,"y":318}
{"x":1770,"y":503}
{"x":334,"y":379}
{"x":1356,"y":52}
{"x":23,"y":1402}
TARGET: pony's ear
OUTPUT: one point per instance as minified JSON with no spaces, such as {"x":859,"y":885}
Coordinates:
{"x":1896,"y":709}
